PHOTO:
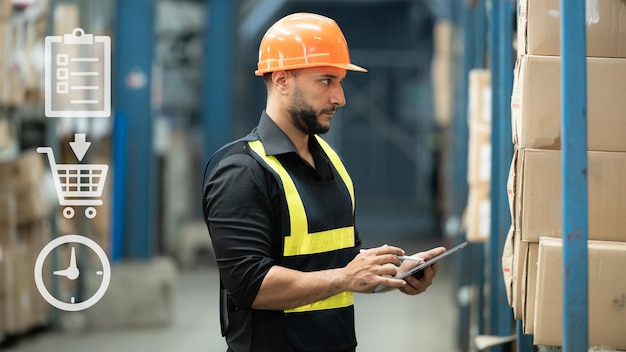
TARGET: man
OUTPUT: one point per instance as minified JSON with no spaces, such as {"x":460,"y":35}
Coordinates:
{"x":279,"y":205}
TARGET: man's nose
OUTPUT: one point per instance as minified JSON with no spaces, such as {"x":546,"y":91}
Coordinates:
{"x":337,"y":97}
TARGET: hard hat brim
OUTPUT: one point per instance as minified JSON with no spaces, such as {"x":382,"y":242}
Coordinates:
{"x":350,"y":67}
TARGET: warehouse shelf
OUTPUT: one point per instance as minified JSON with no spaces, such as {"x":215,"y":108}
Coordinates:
{"x":499,"y":18}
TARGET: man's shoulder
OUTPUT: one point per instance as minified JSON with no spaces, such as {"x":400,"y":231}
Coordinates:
{"x":236,"y":154}
{"x":231,"y":152}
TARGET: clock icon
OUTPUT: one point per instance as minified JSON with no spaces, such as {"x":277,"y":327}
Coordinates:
{"x":72,"y":272}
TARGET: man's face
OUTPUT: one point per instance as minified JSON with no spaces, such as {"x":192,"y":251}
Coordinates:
{"x":316,"y":96}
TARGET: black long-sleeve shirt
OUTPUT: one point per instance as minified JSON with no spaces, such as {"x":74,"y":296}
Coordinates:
{"x":244,"y":207}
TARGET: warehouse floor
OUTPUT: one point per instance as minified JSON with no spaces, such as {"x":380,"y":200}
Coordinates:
{"x":385,"y":322}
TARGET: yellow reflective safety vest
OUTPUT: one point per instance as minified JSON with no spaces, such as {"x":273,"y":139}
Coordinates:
{"x":318,"y":234}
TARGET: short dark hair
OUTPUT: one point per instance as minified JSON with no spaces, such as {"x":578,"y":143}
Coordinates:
{"x":267,"y":77}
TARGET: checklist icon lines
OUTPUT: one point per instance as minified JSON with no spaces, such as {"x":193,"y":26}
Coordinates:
{"x":78,"y":75}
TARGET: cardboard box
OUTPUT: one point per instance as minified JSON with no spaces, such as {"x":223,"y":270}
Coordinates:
{"x":21,"y":305}
{"x":33,"y":70}
{"x":479,"y":121}
{"x":441,"y":73}
{"x":607,"y":294}
{"x":35,"y":236}
{"x":442,"y":64}
{"x":478,"y":216}
{"x":8,"y":210}
{"x":479,"y":155}
{"x":510,"y":191}
{"x":22,"y":174}
{"x":479,"y":97}
{"x":536,"y":104}
{"x":443,"y":36}
{"x":14,"y":289}
{"x":6,"y":9}
{"x":507,"y":265}
{"x":539,"y":28}
{"x":2,"y":288}
{"x":30,"y":205}
{"x":520,"y":251}
{"x":529,"y":278}
{"x":538,"y":195}
{"x":11,"y":85}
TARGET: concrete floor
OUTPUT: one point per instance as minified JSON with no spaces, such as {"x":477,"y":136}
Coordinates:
{"x":385,"y":322}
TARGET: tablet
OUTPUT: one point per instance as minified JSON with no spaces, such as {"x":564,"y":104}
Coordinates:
{"x":426,"y":264}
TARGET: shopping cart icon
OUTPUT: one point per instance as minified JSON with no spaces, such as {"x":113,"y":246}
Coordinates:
{"x":77,"y":184}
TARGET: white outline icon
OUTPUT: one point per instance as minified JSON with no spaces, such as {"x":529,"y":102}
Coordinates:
{"x":72,"y":272}
{"x":78,"y":75}
{"x":77,"y":184}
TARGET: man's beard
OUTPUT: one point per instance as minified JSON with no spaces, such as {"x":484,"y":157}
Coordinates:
{"x":304,"y":116}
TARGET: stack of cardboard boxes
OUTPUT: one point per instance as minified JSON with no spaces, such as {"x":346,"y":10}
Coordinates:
{"x":24,"y":230}
{"x":22,"y":36}
{"x":442,"y":72}
{"x":478,"y":213}
{"x":24,"y":209}
{"x":534,"y":185}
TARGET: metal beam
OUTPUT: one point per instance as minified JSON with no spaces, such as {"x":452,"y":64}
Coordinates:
{"x":134,"y":46}
{"x":120,"y":139}
{"x":479,"y":61}
{"x":574,"y":174}
{"x":462,"y":61}
{"x":260,"y":15}
{"x":524,"y":342}
{"x":501,"y":55}
{"x":218,"y":80}
{"x":505,"y":155}
{"x":494,"y":29}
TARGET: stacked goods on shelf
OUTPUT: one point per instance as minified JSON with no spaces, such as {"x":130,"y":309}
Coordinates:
{"x":11,"y":90}
{"x":6,"y":9}
{"x":536,"y":104}
{"x":442,"y":72}
{"x":478,"y":213}
{"x":538,"y":28}
{"x":22,"y":36}
{"x":607,"y":293}
{"x":535,"y":186}
{"x":23,"y":178}
{"x":24,"y":230}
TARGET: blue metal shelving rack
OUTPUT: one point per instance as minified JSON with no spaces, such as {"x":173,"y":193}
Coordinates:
{"x":472,"y":17}
{"x":574,"y":167}
{"x":574,"y":174}
{"x":501,"y":59}
{"x":218,"y":81}
{"x":134,"y":46}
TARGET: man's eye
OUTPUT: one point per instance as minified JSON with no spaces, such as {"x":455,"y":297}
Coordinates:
{"x":326,"y":81}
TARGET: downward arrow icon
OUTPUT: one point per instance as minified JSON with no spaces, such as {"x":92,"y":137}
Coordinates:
{"x":80,"y":146}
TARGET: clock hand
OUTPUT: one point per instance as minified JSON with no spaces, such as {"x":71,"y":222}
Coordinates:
{"x":60,"y":272}
{"x":72,"y":272}
{"x":73,"y":260}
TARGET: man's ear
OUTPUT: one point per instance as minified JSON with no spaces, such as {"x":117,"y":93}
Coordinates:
{"x":280,"y":80}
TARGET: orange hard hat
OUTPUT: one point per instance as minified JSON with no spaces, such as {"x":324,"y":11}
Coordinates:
{"x":304,"y":40}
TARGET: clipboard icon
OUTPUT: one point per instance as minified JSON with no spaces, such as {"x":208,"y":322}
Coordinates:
{"x":78,"y":75}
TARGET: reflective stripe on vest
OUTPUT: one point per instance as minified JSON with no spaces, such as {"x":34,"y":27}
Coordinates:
{"x":336,"y":161}
{"x":299,"y":241}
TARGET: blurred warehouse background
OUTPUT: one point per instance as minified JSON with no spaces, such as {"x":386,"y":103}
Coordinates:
{"x":182,"y":86}
{"x":417,"y":136}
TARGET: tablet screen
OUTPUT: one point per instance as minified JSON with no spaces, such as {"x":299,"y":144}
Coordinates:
{"x":427,"y":263}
